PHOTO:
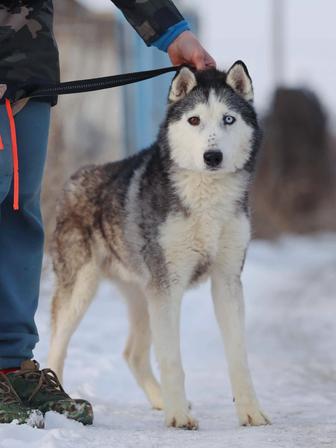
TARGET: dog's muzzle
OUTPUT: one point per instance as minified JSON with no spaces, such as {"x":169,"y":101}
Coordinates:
{"x":213,"y":158}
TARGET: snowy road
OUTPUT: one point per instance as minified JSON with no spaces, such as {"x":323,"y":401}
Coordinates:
{"x":290,"y":291}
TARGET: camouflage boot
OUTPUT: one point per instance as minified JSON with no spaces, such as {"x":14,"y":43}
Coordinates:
{"x":13,"y":410}
{"x":42,"y":390}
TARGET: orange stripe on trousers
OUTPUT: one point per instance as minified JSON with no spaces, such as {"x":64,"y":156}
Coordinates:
{"x":14,"y":154}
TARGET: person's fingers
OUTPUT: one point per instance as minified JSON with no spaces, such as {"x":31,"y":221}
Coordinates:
{"x":174,"y":56}
{"x":199,"y":61}
{"x":209,"y":61}
{"x":203,"y":60}
{"x":186,"y":49}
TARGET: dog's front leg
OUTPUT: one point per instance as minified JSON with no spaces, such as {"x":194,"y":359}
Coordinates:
{"x":229,"y":308}
{"x":164,"y":311}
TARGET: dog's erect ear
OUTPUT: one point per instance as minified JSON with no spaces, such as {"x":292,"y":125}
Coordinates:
{"x":182,"y":84}
{"x":239,"y":79}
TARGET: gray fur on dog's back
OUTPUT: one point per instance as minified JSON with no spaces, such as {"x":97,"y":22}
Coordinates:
{"x":101,"y":203}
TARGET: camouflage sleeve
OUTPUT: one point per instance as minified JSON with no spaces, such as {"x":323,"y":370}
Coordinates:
{"x":150,"y":18}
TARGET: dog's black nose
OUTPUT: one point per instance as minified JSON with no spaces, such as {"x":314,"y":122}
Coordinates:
{"x":213,"y":158}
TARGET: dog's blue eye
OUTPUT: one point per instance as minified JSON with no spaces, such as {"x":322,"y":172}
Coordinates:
{"x":229,"y":119}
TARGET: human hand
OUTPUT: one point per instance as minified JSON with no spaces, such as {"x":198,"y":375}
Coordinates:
{"x":186,"y":49}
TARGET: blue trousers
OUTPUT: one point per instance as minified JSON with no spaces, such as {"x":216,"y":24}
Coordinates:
{"x":21,"y":232}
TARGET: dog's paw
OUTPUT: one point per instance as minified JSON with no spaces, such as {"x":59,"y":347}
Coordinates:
{"x":182,"y":421}
{"x":250,"y":415}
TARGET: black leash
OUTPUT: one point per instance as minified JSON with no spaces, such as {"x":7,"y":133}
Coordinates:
{"x":88,"y":85}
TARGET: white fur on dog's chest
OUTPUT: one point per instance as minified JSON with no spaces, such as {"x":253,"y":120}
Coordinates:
{"x":191,"y":241}
{"x":197,"y":234}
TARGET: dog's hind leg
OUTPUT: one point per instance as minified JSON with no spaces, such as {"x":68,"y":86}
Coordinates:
{"x":137,"y":350}
{"x":70,"y":302}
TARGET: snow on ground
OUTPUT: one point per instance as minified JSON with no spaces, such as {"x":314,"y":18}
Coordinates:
{"x":291,"y":312}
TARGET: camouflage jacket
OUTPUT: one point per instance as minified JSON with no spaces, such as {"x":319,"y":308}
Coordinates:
{"x":28,"y":51}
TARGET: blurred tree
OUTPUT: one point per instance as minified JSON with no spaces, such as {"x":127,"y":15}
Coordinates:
{"x":294,"y":188}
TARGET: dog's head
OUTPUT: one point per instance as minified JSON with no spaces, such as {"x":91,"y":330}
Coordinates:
{"x":211,"y":122}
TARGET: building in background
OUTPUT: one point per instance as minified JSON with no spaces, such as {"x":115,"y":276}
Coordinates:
{"x":87,"y":44}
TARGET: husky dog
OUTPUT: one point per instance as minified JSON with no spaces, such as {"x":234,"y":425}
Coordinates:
{"x":160,"y":222}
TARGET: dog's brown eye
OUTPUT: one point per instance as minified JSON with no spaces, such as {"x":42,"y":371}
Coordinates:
{"x":194,"y":121}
